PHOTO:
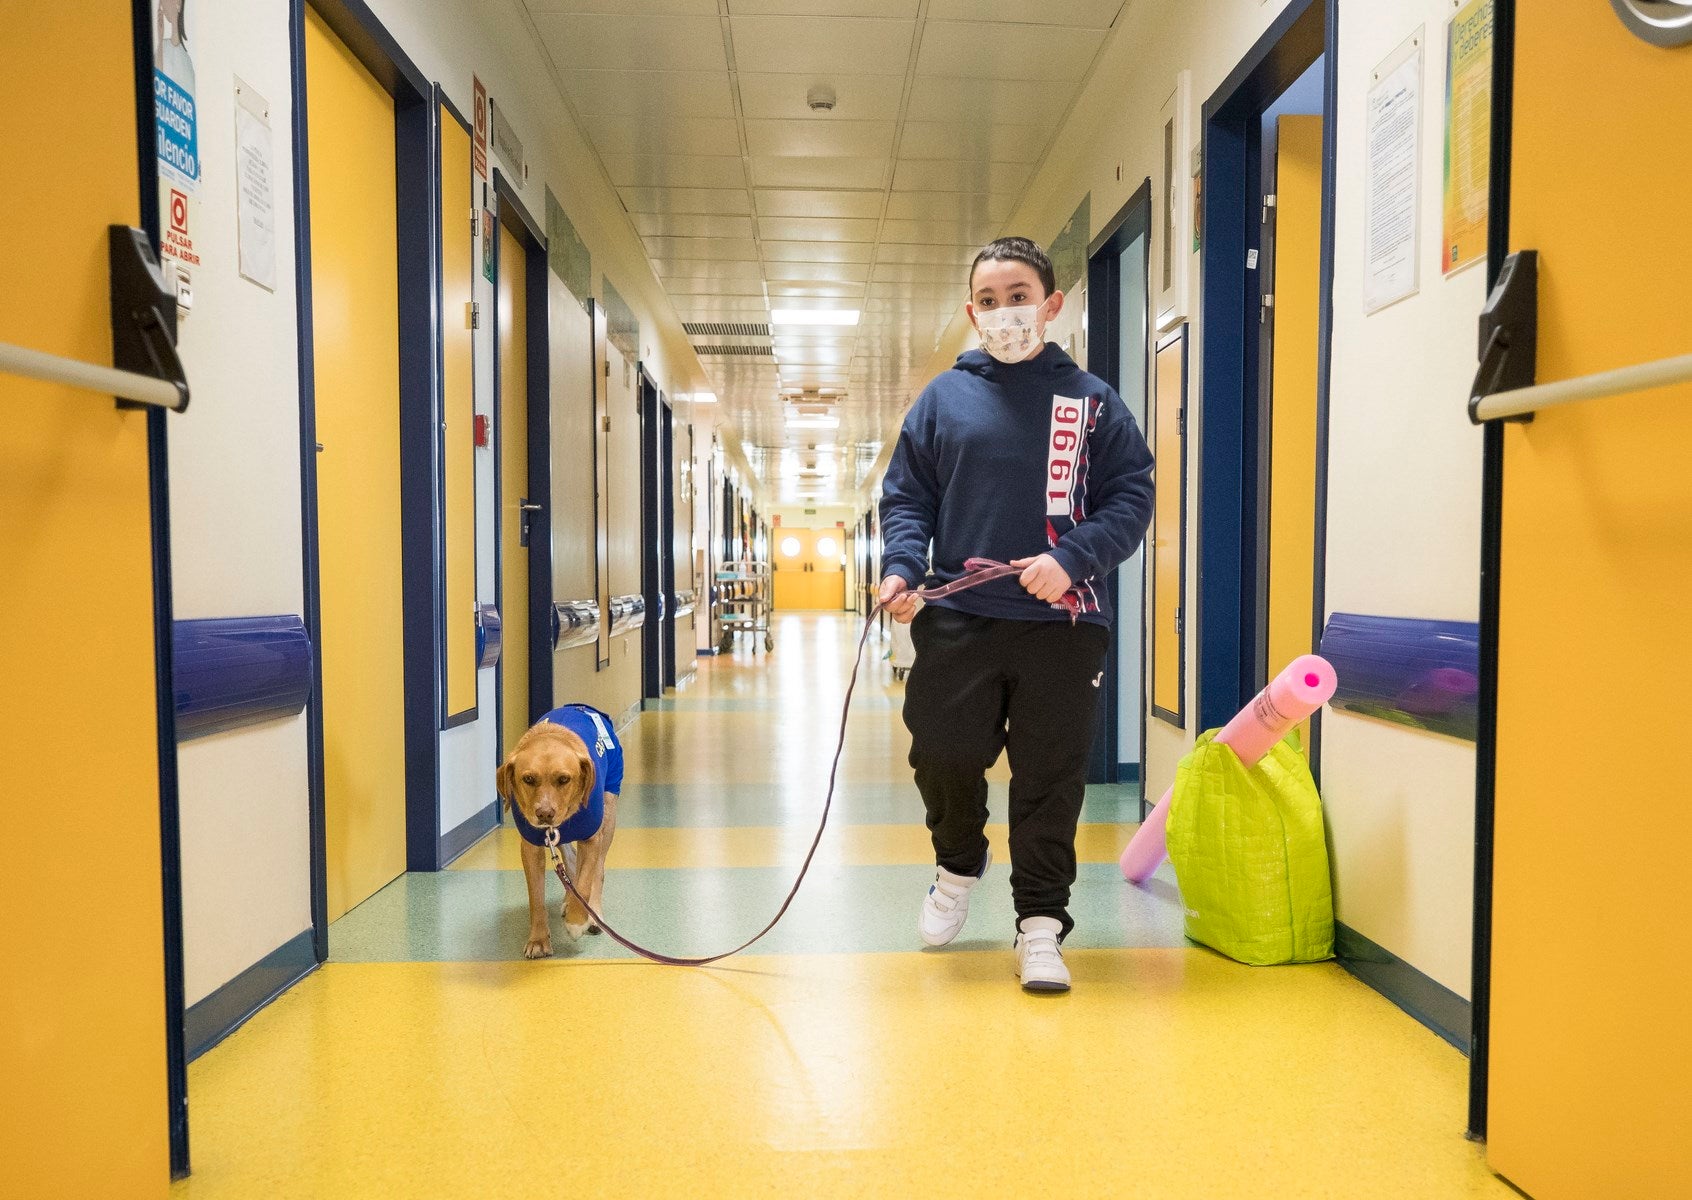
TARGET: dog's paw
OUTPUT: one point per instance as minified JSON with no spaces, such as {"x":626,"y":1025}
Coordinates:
{"x":540,"y":947}
{"x":575,"y":929}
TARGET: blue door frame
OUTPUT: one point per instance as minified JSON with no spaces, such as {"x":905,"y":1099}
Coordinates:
{"x":1229,"y":605}
{"x":1104,"y":359}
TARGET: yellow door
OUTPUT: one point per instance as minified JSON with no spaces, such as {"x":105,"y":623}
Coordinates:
{"x":514,"y":481}
{"x":457,"y":416}
{"x":1168,"y":582}
{"x":1292,"y":421}
{"x":807,"y":569}
{"x":82,"y":1007}
{"x":1591,"y":1048}
{"x":355,"y":331}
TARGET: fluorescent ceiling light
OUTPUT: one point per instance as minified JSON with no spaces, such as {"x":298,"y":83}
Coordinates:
{"x":794,"y":422}
{"x":809,"y":316}
{"x":704,"y":397}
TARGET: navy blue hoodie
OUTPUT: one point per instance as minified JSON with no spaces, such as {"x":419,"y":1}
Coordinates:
{"x":1011,"y":460}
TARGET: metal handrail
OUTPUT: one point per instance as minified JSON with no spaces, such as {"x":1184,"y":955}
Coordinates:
{"x":108,"y":381}
{"x":1518,"y":402}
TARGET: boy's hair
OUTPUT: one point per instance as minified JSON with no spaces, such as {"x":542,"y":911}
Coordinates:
{"x":1017,"y":249}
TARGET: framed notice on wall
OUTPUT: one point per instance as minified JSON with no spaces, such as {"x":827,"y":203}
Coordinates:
{"x":1392,"y":186}
{"x":1468,"y":135}
{"x":1173,"y":216}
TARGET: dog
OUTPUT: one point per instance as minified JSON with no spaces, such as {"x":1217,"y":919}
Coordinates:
{"x":565,"y":773}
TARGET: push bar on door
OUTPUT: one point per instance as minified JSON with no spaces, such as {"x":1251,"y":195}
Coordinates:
{"x":1505,"y":387}
{"x":146,"y":369}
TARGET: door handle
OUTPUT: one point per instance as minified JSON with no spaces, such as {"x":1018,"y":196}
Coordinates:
{"x":525,"y":506}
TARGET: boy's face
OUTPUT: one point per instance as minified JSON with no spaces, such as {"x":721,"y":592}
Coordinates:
{"x":1006,"y":283}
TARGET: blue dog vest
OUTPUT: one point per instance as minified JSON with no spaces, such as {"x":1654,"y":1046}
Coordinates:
{"x":594,"y":728}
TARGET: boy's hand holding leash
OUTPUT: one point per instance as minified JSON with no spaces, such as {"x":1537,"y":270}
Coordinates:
{"x":1040,"y":576}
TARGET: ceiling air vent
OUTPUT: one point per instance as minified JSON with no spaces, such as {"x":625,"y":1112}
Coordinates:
{"x":732,"y":351}
{"x":724,"y":329}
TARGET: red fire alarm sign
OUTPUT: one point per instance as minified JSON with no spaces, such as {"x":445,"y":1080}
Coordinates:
{"x":481,"y":430}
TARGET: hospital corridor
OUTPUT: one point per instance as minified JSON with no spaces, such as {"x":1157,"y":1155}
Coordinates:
{"x":846,"y":598}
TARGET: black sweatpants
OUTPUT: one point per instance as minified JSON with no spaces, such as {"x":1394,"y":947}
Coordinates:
{"x":980,"y":685}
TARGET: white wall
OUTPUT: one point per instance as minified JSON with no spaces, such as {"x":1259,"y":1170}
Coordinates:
{"x":1403,"y":529}
{"x":235,"y":518}
{"x":235,"y":471}
{"x":1404,"y":465}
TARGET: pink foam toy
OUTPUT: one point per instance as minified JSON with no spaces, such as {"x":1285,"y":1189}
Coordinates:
{"x":1306,"y":685}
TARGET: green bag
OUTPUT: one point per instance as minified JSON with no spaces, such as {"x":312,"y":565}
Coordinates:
{"x":1250,"y":854}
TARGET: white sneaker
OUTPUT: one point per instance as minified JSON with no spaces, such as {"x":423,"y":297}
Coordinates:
{"x":1039,"y":959}
{"x":947,"y":904}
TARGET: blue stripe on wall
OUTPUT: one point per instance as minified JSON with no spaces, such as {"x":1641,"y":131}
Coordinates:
{"x":233,"y":671}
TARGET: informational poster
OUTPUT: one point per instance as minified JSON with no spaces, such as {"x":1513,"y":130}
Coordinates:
{"x":1392,"y":187}
{"x":1468,"y":135}
{"x":176,"y":122}
{"x":487,"y":227}
{"x":255,"y":188}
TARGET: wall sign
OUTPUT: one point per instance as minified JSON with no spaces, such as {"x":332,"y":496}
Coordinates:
{"x":255,"y":190}
{"x":1468,"y":135}
{"x":1392,"y":188}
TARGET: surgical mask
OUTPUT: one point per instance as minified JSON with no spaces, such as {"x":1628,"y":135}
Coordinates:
{"x":1010,"y":334}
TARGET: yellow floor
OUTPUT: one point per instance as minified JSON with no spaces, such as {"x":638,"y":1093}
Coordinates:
{"x":825,"y":1071}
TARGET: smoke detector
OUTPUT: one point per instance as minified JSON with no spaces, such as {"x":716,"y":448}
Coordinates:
{"x":820,"y":98}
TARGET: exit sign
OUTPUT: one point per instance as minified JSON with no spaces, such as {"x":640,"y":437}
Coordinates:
{"x":810,"y":512}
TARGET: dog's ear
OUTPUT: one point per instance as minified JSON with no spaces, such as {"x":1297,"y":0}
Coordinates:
{"x":505,"y":781}
{"x":582,"y":785}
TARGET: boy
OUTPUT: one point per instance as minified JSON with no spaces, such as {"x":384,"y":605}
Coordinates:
{"x":1019,"y":455}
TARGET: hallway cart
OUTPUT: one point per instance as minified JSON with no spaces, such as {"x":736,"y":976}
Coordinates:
{"x":743,"y":602}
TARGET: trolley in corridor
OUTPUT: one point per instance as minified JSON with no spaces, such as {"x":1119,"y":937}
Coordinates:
{"x":743,"y":602}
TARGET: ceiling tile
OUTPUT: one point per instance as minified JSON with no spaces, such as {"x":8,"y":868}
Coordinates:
{"x":828,"y":252}
{"x":816,"y":291}
{"x":671,"y":135}
{"x":959,"y":206}
{"x":726,"y":308}
{"x":804,"y":138}
{"x":689,"y":225}
{"x":715,"y":201}
{"x":856,"y":97}
{"x":1091,"y":14}
{"x":990,"y":101}
{"x":744,"y":249}
{"x":994,"y":143}
{"x":809,"y":44}
{"x":705,"y":268}
{"x":922,"y":232}
{"x":817,"y":8}
{"x":983,"y":50}
{"x":954,"y":276}
{"x":932,"y":175}
{"x":674,"y":170}
{"x":650,"y":94}
{"x":834,"y":272}
{"x":622,"y":42}
{"x":959,"y":254}
{"x":819,"y":172}
{"x":801,"y":203}
{"x":662,"y":8}
{"x":714,"y":286}
{"x":802,"y":229}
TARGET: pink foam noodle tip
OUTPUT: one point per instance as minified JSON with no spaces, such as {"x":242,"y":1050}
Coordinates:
{"x":1307,"y":683}
{"x":1145,"y":849}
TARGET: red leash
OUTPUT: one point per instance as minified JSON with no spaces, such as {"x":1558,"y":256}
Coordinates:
{"x":977,"y":571}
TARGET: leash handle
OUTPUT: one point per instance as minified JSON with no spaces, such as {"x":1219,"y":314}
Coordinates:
{"x":977,"y":571}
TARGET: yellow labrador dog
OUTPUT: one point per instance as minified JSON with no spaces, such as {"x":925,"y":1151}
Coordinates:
{"x":564,"y":775}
